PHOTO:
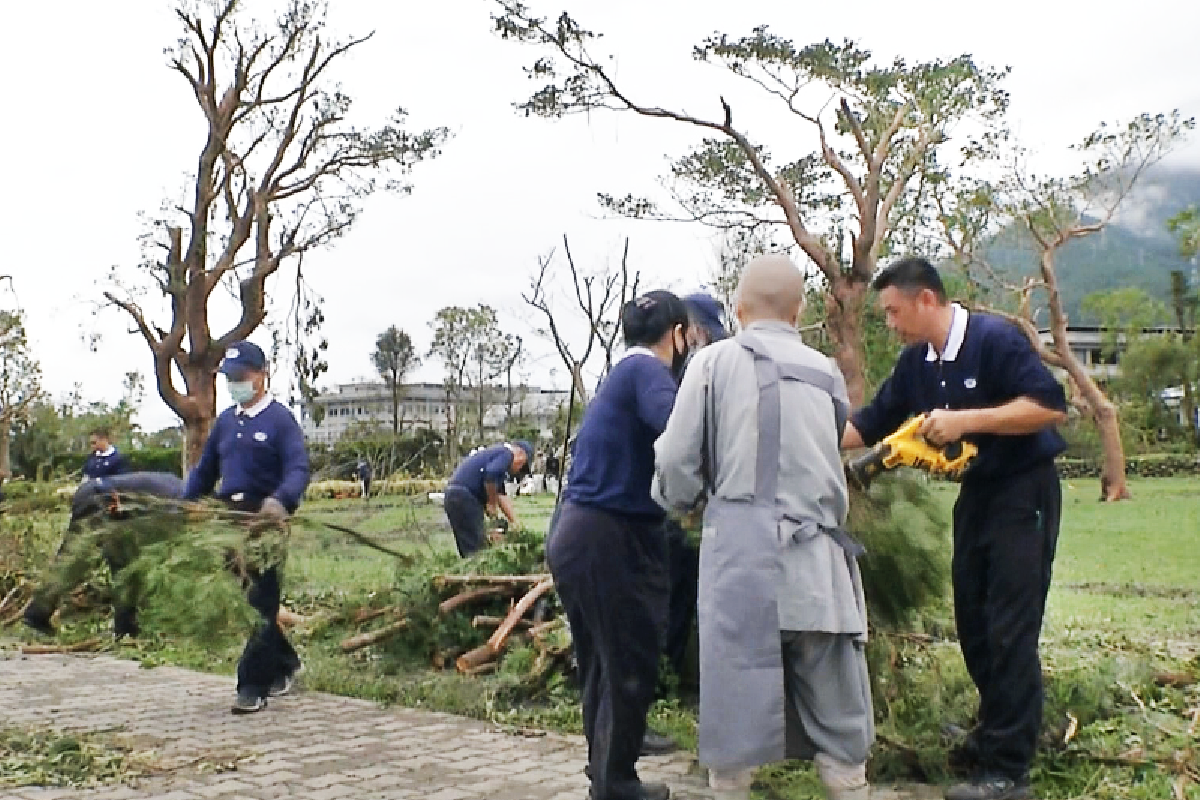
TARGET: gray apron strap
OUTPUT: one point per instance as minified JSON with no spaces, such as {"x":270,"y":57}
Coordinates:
{"x":769,"y":372}
{"x":766,"y":463}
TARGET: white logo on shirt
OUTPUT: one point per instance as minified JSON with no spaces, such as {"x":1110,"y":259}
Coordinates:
{"x":969,"y":383}
{"x":259,"y":436}
{"x":232,"y":353}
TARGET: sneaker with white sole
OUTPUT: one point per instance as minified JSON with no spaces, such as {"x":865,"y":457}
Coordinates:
{"x":247,"y":703}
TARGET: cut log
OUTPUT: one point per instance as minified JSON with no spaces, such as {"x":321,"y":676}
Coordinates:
{"x":491,"y":621}
{"x":11,"y":594}
{"x":368,"y":614}
{"x":483,"y":669}
{"x":50,"y":649}
{"x":362,"y":640}
{"x":537,"y":630}
{"x":469,"y":596}
{"x":441,"y":581}
{"x":495,"y":643}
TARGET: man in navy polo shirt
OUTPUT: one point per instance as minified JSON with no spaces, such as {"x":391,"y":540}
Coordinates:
{"x":478,"y":484}
{"x":979,"y":379}
{"x":105,"y":460}
{"x":257,"y":450}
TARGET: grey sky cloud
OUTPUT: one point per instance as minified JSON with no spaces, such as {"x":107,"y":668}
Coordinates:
{"x":97,"y":129}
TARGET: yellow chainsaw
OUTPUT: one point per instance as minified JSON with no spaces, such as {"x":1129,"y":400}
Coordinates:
{"x":906,"y":447}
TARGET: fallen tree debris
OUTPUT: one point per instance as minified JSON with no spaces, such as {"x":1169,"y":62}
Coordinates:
{"x":495,"y":643}
{"x":469,"y":596}
{"x":349,"y":645}
{"x":85,"y":646}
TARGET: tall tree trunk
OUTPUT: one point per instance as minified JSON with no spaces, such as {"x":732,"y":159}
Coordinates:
{"x":197,"y":410}
{"x":395,"y":408}
{"x":1104,"y":413}
{"x":5,"y":436}
{"x":844,"y":302}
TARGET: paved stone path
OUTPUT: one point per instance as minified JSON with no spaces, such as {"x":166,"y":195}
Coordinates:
{"x":309,"y":745}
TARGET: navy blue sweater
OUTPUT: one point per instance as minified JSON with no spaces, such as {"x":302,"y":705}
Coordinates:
{"x":613,"y":459}
{"x":98,"y":466}
{"x":995,"y":364}
{"x":256,"y":457}
{"x":489,"y":465}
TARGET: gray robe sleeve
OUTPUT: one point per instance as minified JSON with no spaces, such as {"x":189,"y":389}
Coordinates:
{"x":678,"y":478}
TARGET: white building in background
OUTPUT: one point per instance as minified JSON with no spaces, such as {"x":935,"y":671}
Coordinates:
{"x":424,"y":405}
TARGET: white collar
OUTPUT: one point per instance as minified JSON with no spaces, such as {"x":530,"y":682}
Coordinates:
{"x":636,"y":350}
{"x":958,"y":332}
{"x":257,"y":408}
{"x":107,"y":452}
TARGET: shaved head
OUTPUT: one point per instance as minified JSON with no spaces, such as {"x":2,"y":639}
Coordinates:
{"x":771,"y":288}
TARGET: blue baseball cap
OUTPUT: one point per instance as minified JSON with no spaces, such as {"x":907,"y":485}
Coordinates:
{"x":242,"y":357}
{"x":707,"y":312}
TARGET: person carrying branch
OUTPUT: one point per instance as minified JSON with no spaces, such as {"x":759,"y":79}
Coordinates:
{"x":754,"y":435}
{"x":257,"y":450}
{"x":478,"y":486}
{"x":607,"y":550}
{"x":978,"y":379}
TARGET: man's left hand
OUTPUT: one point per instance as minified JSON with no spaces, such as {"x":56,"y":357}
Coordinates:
{"x":943,"y":426}
{"x":272,"y":511}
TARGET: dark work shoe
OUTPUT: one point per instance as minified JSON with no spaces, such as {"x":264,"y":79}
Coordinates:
{"x":963,"y":756}
{"x":247,"y":703}
{"x":37,"y":616}
{"x":646,"y":791}
{"x":656,"y":744}
{"x":991,"y":788}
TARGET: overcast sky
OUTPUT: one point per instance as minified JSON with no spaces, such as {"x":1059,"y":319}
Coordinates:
{"x":96,"y":129}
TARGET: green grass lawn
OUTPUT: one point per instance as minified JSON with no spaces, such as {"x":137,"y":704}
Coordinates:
{"x":1125,"y":603}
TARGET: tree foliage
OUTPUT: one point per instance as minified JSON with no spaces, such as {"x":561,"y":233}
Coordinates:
{"x":1186,"y":226}
{"x":394,"y":357}
{"x":466,"y":341}
{"x":281,"y":172}
{"x":844,"y":203}
{"x":20,"y":381}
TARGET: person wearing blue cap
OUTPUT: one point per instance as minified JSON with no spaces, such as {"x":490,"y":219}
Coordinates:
{"x":478,"y":485}
{"x":704,"y":321}
{"x":256,"y":449}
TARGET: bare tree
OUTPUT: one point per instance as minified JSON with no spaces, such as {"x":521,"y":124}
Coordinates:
{"x":280,"y":173}
{"x":599,"y":297}
{"x":1053,"y":212}
{"x":894,"y":119}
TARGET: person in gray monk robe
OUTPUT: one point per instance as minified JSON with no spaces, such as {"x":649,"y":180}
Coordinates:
{"x":783,"y":625}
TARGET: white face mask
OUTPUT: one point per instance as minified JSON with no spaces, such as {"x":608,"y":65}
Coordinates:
{"x":242,"y":392}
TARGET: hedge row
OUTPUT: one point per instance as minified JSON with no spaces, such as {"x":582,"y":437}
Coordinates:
{"x":147,"y":459}
{"x":338,"y":490}
{"x":1150,"y":466}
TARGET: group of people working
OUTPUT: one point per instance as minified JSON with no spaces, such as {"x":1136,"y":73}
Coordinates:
{"x":750,"y":429}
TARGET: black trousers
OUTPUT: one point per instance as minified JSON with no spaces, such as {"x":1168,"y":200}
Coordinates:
{"x":465,"y":513}
{"x":1005,"y":535}
{"x":268,"y":655}
{"x":683,"y":566}
{"x":610,"y":572}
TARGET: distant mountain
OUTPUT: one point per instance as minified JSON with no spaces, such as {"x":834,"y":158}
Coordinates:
{"x":1136,"y":250}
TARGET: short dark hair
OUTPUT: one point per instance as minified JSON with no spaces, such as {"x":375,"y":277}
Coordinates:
{"x":910,"y":275}
{"x":646,"y":319}
{"x":101,"y":431}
